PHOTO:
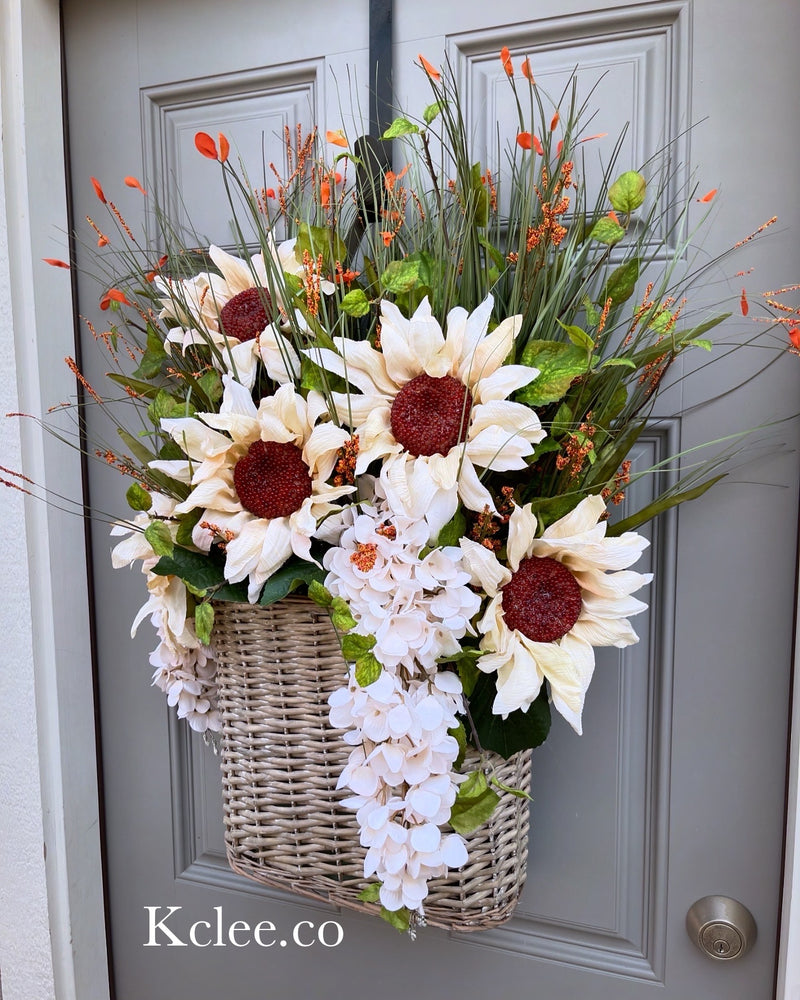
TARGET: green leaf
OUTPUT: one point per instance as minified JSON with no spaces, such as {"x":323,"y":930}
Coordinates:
{"x":401,"y":275}
{"x":293,"y":574}
{"x":707,"y":345}
{"x":607,"y":231}
{"x":136,"y":447}
{"x":320,"y":594}
{"x":167,"y":406}
{"x":355,"y":303}
{"x":138,"y":497}
{"x":432,"y":111}
{"x":578,"y":336}
{"x":311,"y":376}
{"x":368,"y":669}
{"x":454,"y":530}
{"x":371,"y":894}
{"x":474,"y":804}
{"x":518,"y":793}
{"x":354,"y":646}
{"x":202,"y":571}
{"x":480,"y":196}
{"x":660,"y":505}
{"x":400,"y":126}
{"x":558,"y":365}
{"x":592,"y":314}
{"x":159,"y":537}
{"x":622,"y":282}
{"x":459,"y":734}
{"x":340,"y":615}
{"x":144,"y":389}
{"x":186,"y":526}
{"x":210,"y":385}
{"x":399,"y":919}
{"x":519,"y":731}
{"x":204,"y":622}
{"x":627,"y":192}
{"x":153,"y":357}
{"x":497,"y":257}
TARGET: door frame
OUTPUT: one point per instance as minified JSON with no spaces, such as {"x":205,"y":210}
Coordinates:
{"x":52,"y":682}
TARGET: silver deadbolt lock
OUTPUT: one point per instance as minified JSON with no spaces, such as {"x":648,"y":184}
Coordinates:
{"x":721,"y":927}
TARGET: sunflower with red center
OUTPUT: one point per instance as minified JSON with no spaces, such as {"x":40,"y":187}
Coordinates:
{"x":560,"y":595}
{"x":260,"y":478}
{"x":434,"y":407}
{"x":237,"y":312}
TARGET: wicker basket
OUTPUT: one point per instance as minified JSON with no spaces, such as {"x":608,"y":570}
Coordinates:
{"x":284,"y":825}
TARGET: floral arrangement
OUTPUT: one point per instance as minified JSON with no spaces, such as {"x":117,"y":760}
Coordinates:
{"x":412,"y":394}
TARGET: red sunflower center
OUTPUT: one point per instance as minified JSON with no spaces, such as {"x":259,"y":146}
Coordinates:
{"x":272,"y":480}
{"x":430,"y":415}
{"x":542,"y":599}
{"x":246,"y":314}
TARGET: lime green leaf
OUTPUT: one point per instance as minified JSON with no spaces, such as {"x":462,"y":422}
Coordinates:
{"x":371,"y":894}
{"x":626,"y":194}
{"x":497,"y":257}
{"x":138,"y":497}
{"x":154,"y":355}
{"x":454,"y":530}
{"x":400,"y":126}
{"x":354,"y":646}
{"x":320,"y":240}
{"x":474,"y":804}
{"x":320,"y":594}
{"x":399,"y":919}
{"x":707,"y":345}
{"x":340,"y":615}
{"x":401,"y":275}
{"x":293,"y":574}
{"x":622,"y":282}
{"x":519,"y":731}
{"x":460,"y":736}
{"x":518,"y":793}
{"x":368,"y":669}
{"x":167,"y":406}
{"x":618,"y":363}
{"x":660,"y":505}
{"x":204,"y":622}
{"x":607,"y":231}
{"x":159,"y":538}
{"x":558,"y":365}
{"x":579,"y":337}
{"x":592,"y":313}
{"x":311,"y":376}
{"x":432,"y":111}
{"x":355,"y":303}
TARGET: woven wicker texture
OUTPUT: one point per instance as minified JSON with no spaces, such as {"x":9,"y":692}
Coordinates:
{"x":284,"y":825}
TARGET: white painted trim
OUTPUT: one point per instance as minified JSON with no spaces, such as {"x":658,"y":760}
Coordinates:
{"x":789,"y":960}
{"x":55,"y":633}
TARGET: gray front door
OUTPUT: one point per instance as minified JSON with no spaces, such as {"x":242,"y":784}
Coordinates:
{"x":676,"y":788}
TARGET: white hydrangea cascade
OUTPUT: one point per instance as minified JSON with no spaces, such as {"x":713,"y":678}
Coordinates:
{"x":401,"y":768}
{"x":185,"y":667}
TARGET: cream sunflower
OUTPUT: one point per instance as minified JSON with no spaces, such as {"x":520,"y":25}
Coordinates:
{"x":238,"y":312}
{"x":565,"y":593}
{"x":434,"y":407}
{"x":260,"y":477}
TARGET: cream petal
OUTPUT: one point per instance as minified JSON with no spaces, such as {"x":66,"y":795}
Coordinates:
{"x":583,"y":657}
{"x":473,"y":493}
{"x":522,"y":527}
{"x":443,"y":469}
{"x":471,"y":329}
{"x":518,"y":683}
{"x":493,"y":350}
{"x":425,"y":338}
{"x":605,"y":631}
{"x":280,"y":359}
{"x":174,"y":468}
{"x":195,"y":438}
{"x":364,"y":367}
{"x":499,"y":449}
{"x":401,"y":363}
{"x":236,"y":272}
{"x":500,"y":384}
{"x":561,"y":671}
{"x":355,"y":410}
{"x":321,"y":449}
{"x":485,"y":569}
{"x":612,"y":585}
{"x":621,"y":606}
{"x":582,"y":518}
{"x":214,"y":493}
{"x":440,"y":510}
